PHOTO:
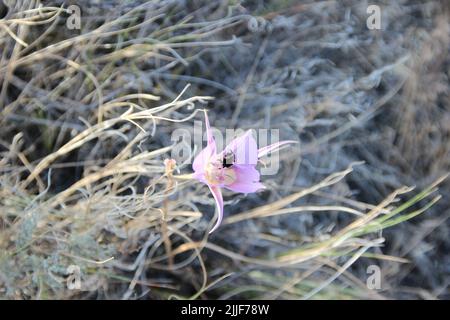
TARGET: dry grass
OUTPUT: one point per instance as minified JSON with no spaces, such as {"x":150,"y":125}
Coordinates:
{"x":87,"y":116}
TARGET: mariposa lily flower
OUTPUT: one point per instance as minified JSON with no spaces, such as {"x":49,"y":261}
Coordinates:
{"x":234,"y":168}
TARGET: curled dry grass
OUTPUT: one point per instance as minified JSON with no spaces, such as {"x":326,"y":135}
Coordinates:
{"x":85,"y":124}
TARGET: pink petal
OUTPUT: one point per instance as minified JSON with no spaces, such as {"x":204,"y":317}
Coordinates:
{"x":202,"y":159}
{"x":268,"y":149}
{"x":247,"y":179}
{"x":209,"y":151}
{"x":244,"y":149}
{"x":215,"y":190}
{"x":210,"y":138}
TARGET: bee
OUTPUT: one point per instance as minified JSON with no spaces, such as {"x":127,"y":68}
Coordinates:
{"x":228,"y":159}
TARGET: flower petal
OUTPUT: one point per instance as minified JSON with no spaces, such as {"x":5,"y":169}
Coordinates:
{"x":268,"y":149}
{"x":244,"y":148}
{"x":246,"y":181}
{"x":205,"y":155}
{"x":210,"y":138}
{"x":202,"y":159}
{"x":215,"y":190}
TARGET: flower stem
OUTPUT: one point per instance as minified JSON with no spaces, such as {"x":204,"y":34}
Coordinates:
{"x":184,"y":176}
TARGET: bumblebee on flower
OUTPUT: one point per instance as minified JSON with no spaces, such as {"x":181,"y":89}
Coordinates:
{"x":234,"y":168}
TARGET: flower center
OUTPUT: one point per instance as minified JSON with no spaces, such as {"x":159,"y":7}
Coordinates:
{"x":216,"y":174}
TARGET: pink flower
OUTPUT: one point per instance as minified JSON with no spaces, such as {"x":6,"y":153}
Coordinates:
{"x":234,"y":168}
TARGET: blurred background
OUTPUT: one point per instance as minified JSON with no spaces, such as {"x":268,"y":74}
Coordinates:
{"x":90,"y":96}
